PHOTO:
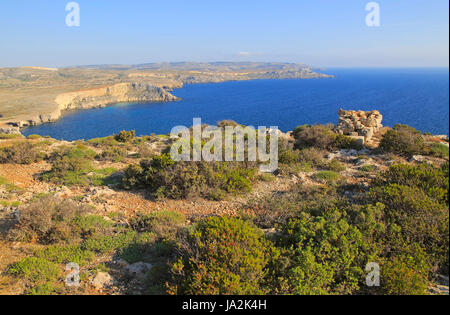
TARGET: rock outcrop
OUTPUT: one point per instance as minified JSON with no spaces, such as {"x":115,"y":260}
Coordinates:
{"x":359,"y":124}
{"x":118,"y":93}
{"x":10,"y":130}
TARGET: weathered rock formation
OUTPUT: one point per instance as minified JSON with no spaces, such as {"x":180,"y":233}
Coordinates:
{"x":359,"y":124}
{"x":118,"y":93}
{"x":10,"y":130}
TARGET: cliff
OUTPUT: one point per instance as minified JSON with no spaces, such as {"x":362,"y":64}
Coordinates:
{"x":118,"y":93}
{"x":97,"y":98}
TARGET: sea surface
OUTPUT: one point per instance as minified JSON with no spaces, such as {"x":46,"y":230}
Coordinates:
{"x":417,"y":97}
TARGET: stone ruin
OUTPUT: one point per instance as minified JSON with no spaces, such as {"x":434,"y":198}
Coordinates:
{"x":359,"y":125}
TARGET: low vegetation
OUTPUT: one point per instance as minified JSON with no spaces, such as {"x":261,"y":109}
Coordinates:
{"x":165,"y":178}
{"x":312,"y":227}
{"x":20,"y":153}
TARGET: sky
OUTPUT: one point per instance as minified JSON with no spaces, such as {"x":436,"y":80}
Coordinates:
{"x":321,"y":33}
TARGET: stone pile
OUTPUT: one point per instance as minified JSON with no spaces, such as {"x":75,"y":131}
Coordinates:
{"x":360,"y":125}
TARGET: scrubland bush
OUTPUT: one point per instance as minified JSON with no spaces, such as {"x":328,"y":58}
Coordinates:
{"x":345,"y":142}
{"x":421,"y":219}
{"x":416,"y":206}
{"x":319,"y":136}
{"x":336,"y":166}
{"x":272,"y":210}
{"x":267,"y":177}
{"x":323,"y":137}
{"x":403,"y":140}
{"x":47,"y":220}
{"x":305,"y":159}
{"x":221,"y":256}
{"x":437,"y":149}
{"x":323,"y":255}
{"x":164,"y":224}
{"x":125,"y":136}
{"x":113,"y":154}
{"x":368,"y":168}
{"x":4,"y":136}
{"x":39,"y":271}
{"x":20,"y":153}
{"x":433,"y":181}
{"x":326,"y":176}
{"x":167,"y":178}
{"x":32,"y":137}
{"x":406,"y":272}
{"x":103,"y":142}
{"x":227,"y":123}
{"x":70,"y":166}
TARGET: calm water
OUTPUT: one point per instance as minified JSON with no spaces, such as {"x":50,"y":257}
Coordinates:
{"x":417,"y":97}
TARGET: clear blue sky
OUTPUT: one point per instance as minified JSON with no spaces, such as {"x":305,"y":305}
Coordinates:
{"x":323,"y":33}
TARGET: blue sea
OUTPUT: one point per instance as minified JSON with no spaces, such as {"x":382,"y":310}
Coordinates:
{"x":417,"y":97}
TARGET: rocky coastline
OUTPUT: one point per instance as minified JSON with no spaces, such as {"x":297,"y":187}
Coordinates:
{"x":33,"y":96}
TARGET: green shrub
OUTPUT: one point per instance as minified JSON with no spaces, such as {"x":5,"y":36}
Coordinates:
{"x":267,"y":177}
{"x":105,"y":142}
{"x":433,"y":181}
{"x":221,"y":256}
{"x":66,"y":254}
{"x":45,"y":289}
{"x":420,"y":218}
{"x":322,"y":255}
{"x":268,"y":211}
{"x":113,"y":154}
{"x":326,"y":176}
{"x":32,"y":137}
{"x":305,"y":159}
{"x":164,"y":224}
{"x":70,"y":166}
{"x":104,"y":177}
{"x":336,"y":166}
{"x":167,"y":178}
{"x":403,"y":140}
{"x":227,"y":123}
{"x":216,"y":194}
{"x":105,"y":244}
{"x":406,"y":274}
{"x":438,"y":150}
{"x":289,"y":157}
{"x":91,"y":225}
{"x":125,"y":136}
{"x":368,"y":168}
{"x":4,"y":136}
{"x":20,"y":153}
{"x":345,"y":142}
{"x":36,"y":270}
{"x":318,"y":136}
{"x":47,"y":220}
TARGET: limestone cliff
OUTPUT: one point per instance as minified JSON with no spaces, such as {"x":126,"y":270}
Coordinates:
{"x":118,"y":93}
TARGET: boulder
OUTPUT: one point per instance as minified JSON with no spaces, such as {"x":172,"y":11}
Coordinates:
{"x":138,"y":270}
{"x":102,"y":280}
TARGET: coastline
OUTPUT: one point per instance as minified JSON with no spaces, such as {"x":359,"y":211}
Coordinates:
{"x":131,"y":92}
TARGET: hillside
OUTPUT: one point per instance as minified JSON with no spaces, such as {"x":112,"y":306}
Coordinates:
{"x":137,"y":222}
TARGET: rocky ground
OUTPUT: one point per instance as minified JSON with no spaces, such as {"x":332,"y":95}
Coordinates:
{"x":23,"y":184}
{"x":20,"y":184}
